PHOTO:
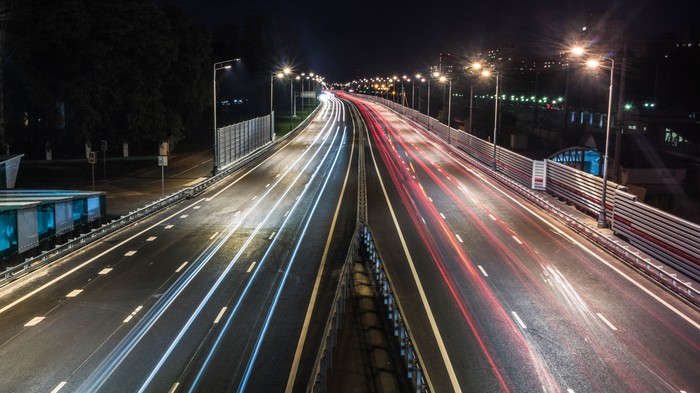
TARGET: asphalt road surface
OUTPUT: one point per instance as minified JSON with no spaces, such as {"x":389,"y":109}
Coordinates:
{"x":501,"y":297}
{"x":228,"y":291}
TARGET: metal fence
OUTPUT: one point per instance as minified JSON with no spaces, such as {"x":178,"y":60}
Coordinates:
{"x":240,"y":139}
{"x":401,"y":330}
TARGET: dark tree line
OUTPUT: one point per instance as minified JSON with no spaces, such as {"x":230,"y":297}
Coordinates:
{"x":81,"y":71}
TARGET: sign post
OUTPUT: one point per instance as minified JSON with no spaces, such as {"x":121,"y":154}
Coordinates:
{"x":103,"y":147}
{"x":91,"y":160}
{"x":163,"y":151}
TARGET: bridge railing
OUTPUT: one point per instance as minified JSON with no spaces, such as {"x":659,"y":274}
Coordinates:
{"x":401,"y":330}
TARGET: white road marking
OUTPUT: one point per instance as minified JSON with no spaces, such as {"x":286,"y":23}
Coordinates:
{"x":252,"y":265}
{"x":173,"y":389}
{"x":105,"y":271}
{"x":196,"y":207}
{"x":517,"y":240}
{"x":59,"y":387}
{"x":610,"y":325}
{"x":520,"y":321}
{"x":492,"y":217}
{"x":184,"y":216}
{"x":74,"y":293}
{"x":570,"y":390}
{"x":221,"y":314}
{"x":268,"y":185}
{"x":130,"y":253}
{"x":214,"y":235}
{"x":285,"y":214}
{"x":459,"y":238}
{"x":483,"y":271}
{"x":254,"y":198}
{"x":181,"y":267}
{"x":34,"y":321}
{"x":169,"y":226}
{"x":430,"y":199}
{"x":152,"y":238}
{"x":443,"y":216}
{"x":133,"y":314}
{"x":271,"y":235}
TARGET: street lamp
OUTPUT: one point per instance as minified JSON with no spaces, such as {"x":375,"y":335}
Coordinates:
{"x":596,"y":64}
{"x":475,"y":66}
{"x":221,"y":65}
{"x":413,"y":92}
{"x":487,"y":73}
{"x":449,"y":106}
{"x":434,"y":75}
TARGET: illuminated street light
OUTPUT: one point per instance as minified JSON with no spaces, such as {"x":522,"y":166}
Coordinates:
{"x":596,"y":64}
{"x":444,"y":79}
{"x":487,"y":73}
{"x":221,"y":65}
{"x":413,"y":92}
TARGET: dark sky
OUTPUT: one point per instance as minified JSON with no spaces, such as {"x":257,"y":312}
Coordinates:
{"x":384,"y":37}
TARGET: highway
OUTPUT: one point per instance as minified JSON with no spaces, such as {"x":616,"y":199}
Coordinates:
{"x":501,"y":297}
{"x":228,"y":291}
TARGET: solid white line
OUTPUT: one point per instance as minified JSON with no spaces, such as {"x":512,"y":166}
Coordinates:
{"x":34,"y":321}
{"x":317,"y":283}
{"x":74,"y":293}
{"x":610,"y":325}
{"x":520,"y":321}
{"x":517,"y":240}
{"x":419,"y":285}
{"x":214,"y":235}
{"x":459,"y":238}
{"x":173,"y":389}
{"x":130,"y":253}
{"x":593,"y":254}
{"x":221,"y":314}
{"x":271,"y":235}
{"x":250,"y":268}
{"x":181,"y":267}
{"x":152,"y":238}
{"x":59,"y":387}
{"x":483,"y":271}
{"x":105,"y":271}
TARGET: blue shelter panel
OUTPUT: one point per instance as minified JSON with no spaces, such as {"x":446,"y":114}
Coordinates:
{"x":27,"y":229}
{"x":63,"y":217}
{"x":8,"y":232}
{"x":46,"y":226}
{"x":93,"y":208}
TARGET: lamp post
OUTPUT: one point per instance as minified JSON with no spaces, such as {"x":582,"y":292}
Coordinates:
{"x":476,"y":66}
{"x":495,"y":118}
{"x":221,"y":65}
{"x":449,"y":106}
{"x":595,"y":64}
{"x":413,"y":93}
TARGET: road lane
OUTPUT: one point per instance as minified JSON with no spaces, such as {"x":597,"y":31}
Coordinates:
{"x":521,"y":303}
{"x":121,"y":331}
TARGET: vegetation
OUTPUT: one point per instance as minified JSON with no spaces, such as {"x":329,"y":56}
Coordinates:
{"x":81,"y":71}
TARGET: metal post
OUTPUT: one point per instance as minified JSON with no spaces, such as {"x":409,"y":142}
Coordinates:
{"x":495,"y":124}
{"x":601,"y":216}
{"x":449,"y":113}
{"x":471,"y":98}
{"x":162,"y":180}
{"x":428,"y":103}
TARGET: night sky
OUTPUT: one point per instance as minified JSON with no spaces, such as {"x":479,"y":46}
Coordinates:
{"x":383,"y":37}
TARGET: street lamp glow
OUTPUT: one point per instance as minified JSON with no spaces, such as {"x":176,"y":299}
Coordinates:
{"x":577,"y":50}
{"x":592,"y":63}
{"x":287,"y":70}
{"x":486,"y":73}
{"x":476,"y":66}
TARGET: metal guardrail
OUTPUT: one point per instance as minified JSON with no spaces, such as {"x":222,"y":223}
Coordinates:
{"x":667,"y":238}
{"x":401,"y":330}
{"x":324,"y":357}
